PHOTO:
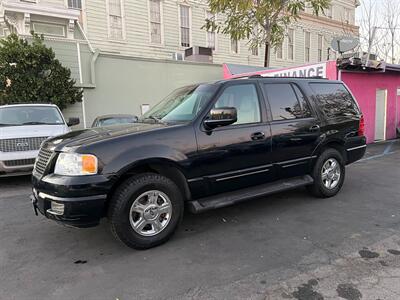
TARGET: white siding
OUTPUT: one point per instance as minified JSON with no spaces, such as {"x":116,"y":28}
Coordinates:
{"x":137,"y":42}
{"x":136,"y":38}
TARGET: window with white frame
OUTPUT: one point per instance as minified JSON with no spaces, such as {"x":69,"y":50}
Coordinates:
{"x":290,"y":44}
{"x":254,"y":51}
{"x":279,"y":51}
{"x":255,"y":36}
{"x":185,"y":25}
{"x":155,"y":21}
{"x":234,"y":46}
{"x":49,"y":29}
{"x":307,"y":45}
{"x":320,"y":46}
{"x":328,"y":12}
{"x":211,"y":36}
{"x":347,"y":15}
{"x":116,"y":30}
{"x":75,"y":4}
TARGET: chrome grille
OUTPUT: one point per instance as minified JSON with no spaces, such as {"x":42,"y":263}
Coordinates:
{"x":43,"y":160}
{"x":21,"y":144}
{"x":19,"y":162}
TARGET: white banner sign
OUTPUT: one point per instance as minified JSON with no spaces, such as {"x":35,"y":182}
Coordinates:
{"x":303,"y":71}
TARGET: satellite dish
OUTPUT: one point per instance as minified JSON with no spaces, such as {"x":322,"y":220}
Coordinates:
{"x":344,"y":43}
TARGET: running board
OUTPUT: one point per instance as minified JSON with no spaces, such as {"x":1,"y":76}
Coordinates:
{"x":230,"y":198}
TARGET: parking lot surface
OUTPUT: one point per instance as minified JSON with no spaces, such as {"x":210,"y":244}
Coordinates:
{"x":286,"y":246}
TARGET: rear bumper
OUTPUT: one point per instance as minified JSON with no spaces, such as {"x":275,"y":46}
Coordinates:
{"x":84,"y":198}
{"x":355,"y":149}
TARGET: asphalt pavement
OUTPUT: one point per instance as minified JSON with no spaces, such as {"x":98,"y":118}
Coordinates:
{"x":285,"y":246}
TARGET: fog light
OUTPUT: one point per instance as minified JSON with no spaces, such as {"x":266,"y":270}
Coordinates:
{"x":56,"y":208}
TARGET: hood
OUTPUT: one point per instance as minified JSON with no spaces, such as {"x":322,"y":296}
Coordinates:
{"x":78,"y":138}
{"x":12,"y":132}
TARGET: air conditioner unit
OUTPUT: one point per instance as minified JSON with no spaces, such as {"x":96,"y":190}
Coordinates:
{"x":178,"y":56}
{"x":199,"y":54}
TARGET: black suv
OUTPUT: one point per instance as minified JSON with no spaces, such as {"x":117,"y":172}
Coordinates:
{"x":205,"y":146}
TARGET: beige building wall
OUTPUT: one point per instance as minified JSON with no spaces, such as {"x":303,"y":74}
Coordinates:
{"x":135,"y":39}
{"x":96,"y":17}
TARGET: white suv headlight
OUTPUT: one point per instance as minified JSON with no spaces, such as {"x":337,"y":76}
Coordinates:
{"x":75,"y":164}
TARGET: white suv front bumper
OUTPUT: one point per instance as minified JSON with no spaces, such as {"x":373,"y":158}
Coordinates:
{"x":17,"y":163}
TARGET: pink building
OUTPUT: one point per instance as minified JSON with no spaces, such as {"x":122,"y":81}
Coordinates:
{"x":377,"y":91}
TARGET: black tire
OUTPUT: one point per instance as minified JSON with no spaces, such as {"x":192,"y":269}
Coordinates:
{"x":122,"y":200}
{"x":318,"y":188}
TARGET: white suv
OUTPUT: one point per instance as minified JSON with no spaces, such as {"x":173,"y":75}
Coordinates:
{"x":23,"y":127}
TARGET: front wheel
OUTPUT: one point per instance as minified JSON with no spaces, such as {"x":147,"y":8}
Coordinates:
{"x":145,"y":210}
{"x":328,"y":173}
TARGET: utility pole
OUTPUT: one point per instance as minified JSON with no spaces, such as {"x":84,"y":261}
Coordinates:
{"x":370,"y":41}
{"x":392,"y":33}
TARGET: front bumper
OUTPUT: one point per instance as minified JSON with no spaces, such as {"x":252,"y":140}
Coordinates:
{"x":78,"y":212}
{"x":17,"y":163}
{"x":84,"y":198}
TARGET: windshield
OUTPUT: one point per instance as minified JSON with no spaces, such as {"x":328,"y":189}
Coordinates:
{"x":182,"y":105}
{"x":30,"y":115}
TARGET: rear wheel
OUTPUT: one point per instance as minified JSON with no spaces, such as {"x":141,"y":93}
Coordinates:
{"x":328,"y":173}
{"x":145,"y":210}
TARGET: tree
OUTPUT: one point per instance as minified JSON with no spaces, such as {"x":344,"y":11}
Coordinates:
{"x":392,"y":22}
{"x":30,"y":73}
{"x":368,"y":23}
{"x":379,"y":23}
{"x":262,"y":22}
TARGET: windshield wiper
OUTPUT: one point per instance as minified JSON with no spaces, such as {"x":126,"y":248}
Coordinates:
{"x":36,"y":123}
{"x":4,"y":125}
{"x":157,"y":120}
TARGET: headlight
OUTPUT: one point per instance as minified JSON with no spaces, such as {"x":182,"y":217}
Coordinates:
{"x":75,"y":164}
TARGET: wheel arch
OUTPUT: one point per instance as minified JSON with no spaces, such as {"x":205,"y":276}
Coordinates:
{"x":335,"y":144}
{"x":162,"y":166}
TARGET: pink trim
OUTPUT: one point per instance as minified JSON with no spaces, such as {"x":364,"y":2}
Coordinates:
{"x":226,"y":72}
{"x":330,"y":70}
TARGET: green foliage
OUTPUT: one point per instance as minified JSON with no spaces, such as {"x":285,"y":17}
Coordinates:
{"x":263,"y":22}
{"x":30,"y":73}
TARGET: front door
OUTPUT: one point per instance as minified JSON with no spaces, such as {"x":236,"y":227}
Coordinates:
{"x":237,"y":155}
{"x":295,"y":128}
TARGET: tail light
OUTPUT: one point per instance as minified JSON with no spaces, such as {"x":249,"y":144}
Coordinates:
{"x":361,"y":126}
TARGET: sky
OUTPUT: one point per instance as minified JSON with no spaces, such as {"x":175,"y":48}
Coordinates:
{"x":383,"y":39}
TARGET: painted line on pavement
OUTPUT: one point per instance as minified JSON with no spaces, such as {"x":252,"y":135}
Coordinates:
{"x":387,"y":151}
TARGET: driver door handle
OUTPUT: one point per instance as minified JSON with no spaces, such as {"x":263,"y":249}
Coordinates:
{"x":314,"y":128}
{"x":258,"y":136}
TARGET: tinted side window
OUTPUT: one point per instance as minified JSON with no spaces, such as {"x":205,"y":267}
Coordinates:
{"x":334,"y":99}
{"x":245,"y":99}
{"x":283,"y":101}
{"x":303,"y":102}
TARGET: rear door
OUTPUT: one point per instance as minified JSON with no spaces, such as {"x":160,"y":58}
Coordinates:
{"x":295,"y":127}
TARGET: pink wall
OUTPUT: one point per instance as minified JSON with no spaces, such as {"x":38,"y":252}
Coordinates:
{"x":364,"y":86}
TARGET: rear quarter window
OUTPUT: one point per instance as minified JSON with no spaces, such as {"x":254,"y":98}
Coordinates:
{"x":334,"y":100}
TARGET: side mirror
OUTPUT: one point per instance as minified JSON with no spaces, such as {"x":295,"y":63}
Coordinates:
{"x":73,"y":122}
{"x":222,"y":116}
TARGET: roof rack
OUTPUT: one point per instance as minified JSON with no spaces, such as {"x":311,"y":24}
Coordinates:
{"x":277,"y":77}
